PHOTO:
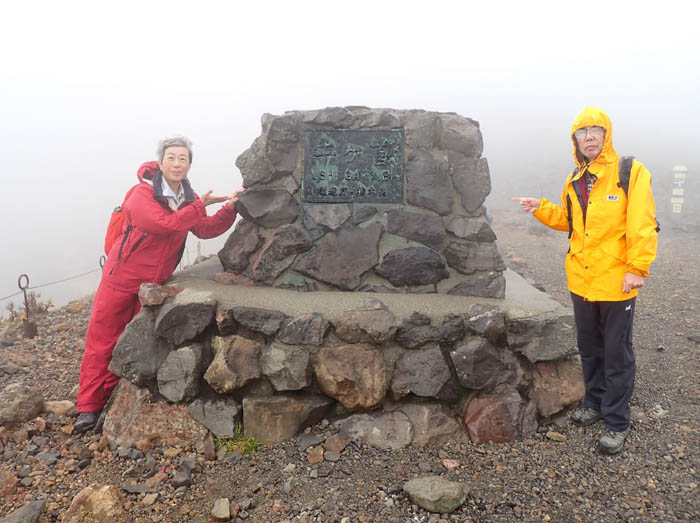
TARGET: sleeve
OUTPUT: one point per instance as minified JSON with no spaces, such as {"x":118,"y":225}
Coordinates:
{"x":553,"y":215}
{"x":218,"y":223}
{"x":148,"y":215}
{"x":640,"y":227}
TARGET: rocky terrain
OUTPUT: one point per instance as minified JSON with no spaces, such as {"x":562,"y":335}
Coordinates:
{"x":557,"y":475}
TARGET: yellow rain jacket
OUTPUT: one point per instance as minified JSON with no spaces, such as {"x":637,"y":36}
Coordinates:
{"x":619,"y":236}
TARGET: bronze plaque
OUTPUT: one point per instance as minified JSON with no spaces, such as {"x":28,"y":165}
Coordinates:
{"x":348,"y":165}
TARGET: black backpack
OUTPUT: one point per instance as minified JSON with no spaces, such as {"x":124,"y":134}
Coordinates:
{"x":623,"y":175}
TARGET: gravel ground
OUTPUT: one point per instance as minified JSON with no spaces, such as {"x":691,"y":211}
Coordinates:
{"x":540,"y":479}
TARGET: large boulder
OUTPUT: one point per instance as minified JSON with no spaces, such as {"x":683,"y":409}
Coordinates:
{"x":556,"y":385}
{"x":139,"y":353}
{"x":220,"y":414}
{"x":181,"y":322}
{"x":180,"y":373}
{"x":19,"y":403}
{"x":436,"y":494}
{"x":414,"y":266}
{"x":243,"y":241}
{"x":272,"y":419}
{"x":268,"y":207}
{"x":424,"y":373}
{"x":137,"y":419}
{"x":96,"y":503}
{"x":235,"y":363}
{"x":500,"y":416}
{"x":341,"y":258}
{"x":287,"y":367}
{"x":390,"y":430}
{"x":355,"y":375}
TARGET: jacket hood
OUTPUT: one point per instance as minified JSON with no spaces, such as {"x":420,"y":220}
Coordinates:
{"x":591,"y":116}
{"x":147,"y":171}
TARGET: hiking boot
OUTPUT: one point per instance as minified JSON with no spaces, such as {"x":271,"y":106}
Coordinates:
{"x":611,"y":441}
{"x":585,"y":416}
{"x":85,"y":421}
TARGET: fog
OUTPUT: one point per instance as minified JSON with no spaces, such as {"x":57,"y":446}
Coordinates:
{"x":88,"y":89}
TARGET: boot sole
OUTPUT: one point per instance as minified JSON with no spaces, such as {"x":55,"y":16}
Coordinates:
{"x":586,"y":423}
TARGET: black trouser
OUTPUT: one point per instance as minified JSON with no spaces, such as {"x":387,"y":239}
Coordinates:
{"x":604,"y":336}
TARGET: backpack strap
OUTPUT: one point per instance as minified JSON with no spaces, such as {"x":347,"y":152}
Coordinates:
{"x":569,"y":219}
{"x":624,"y":172}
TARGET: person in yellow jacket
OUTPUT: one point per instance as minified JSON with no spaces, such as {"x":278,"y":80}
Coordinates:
{"x":613,"y":240}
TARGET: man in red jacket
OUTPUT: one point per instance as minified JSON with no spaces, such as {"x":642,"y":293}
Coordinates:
{"x":159,"y":213}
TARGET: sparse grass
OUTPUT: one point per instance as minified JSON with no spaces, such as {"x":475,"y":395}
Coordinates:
{"x":238,"y":442}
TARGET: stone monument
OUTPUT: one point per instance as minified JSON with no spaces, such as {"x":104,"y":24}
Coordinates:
{"x":362,"y":284}
{"x":357,"y":199}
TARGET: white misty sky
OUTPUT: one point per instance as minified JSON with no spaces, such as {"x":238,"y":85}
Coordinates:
{"x":88,"y":88}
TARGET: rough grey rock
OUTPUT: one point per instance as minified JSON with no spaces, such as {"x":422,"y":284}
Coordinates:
{"x":366,"y":118}
{"x":179,"y":375}
{"x":433,"y":424}
{"x":28,"y":513}
{"x":19,"y":403}
{"x":469,"y":257}
{"x":500,"y":416}
{"x":471,"y":180}
{"x":272,"y":419}
{"x":306,"y":329}
{"x":286,"y":366}
{"x":422,"y":228}
{"x":436,"y":494}
{"x":282,"y":145}
{"x":179,"y":323}
{"x":340,"y":259}
{"x":139,"y":353}
{"x":221,"y":511}
{"x":486,"y":284}
{"x":337,"y":117}
{"x":417,"y":330}
{"x":556,"y":385}
{"x":268,"y":207}
{"x":459,"y":134}
{"x":355,"y":375}
{"x":362,"y":212}
{"x":489,"y":322}
{"x":479,"y":364}
{"x":235,"y":363}
{"x":219,"y":414}
{"x":546,"y":337}
{"x":427,"y":183}
{"x":152,"y":294}
{"x":475,"y":229}
{"x":241,"y":243}
{"x":278,"y":253}
{"x":261,"y":320}
{"x":367,"y":324}
{"x":412,"y":266}
{"x":327,"y":217}
{"x":424,"y":373}
{"x":420,"y":129}
{"x":391,"y":430}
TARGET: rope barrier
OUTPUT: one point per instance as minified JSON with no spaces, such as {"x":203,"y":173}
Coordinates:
{"x":52,"y":283}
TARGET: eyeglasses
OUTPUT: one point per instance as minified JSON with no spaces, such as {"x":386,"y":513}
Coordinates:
{"x":595,"y":131}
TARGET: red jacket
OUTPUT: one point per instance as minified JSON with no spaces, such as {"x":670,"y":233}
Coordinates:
{"x":149,"y":248}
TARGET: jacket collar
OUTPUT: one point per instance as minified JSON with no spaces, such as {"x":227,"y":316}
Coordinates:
{"x":158,"y":195}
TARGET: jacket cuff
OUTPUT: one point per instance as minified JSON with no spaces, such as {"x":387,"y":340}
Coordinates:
{"x":637,"y":271}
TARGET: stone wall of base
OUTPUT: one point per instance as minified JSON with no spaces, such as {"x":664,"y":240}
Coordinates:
{"x":199,"y":363}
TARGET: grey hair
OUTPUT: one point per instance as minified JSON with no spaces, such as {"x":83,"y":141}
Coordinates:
{"x":175,"y":141}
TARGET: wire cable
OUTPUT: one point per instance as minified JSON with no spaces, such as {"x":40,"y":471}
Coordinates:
{"x":51,"y":283}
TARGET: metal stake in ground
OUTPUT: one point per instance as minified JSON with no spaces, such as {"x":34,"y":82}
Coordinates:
{"x":29,"y":329}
